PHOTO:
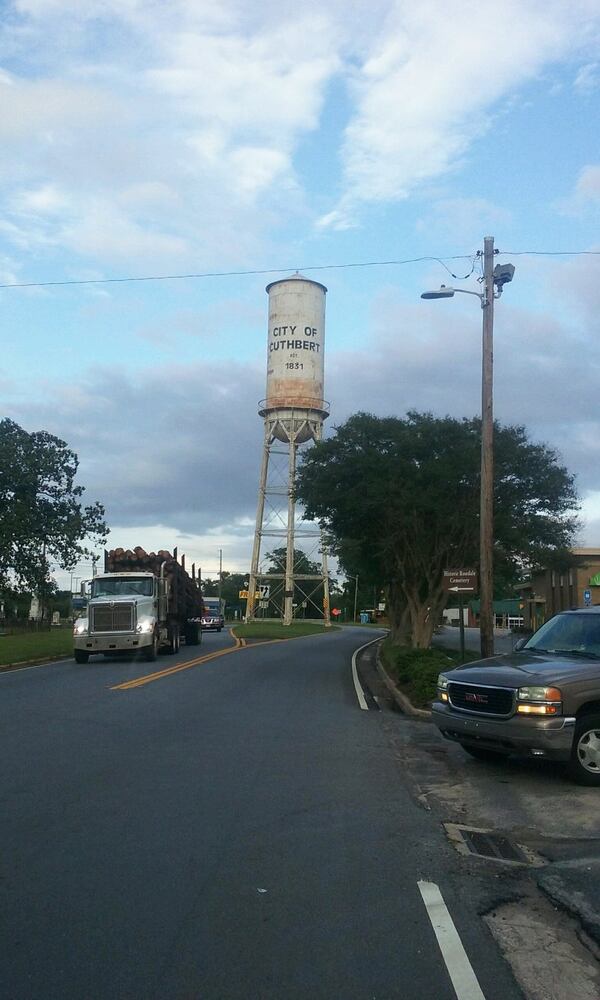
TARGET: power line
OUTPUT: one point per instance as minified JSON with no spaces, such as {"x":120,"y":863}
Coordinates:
{"x":307,"y":267}
{"x":231,"y":274}
{"x":550,"y":253}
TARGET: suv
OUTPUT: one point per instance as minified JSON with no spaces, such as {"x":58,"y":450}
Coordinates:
{"x":212,"y":620}
{"x":543,"y":699}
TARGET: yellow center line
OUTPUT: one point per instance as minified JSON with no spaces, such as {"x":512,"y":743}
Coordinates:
{"x":159,"y":674}
{"x":148,"y":678}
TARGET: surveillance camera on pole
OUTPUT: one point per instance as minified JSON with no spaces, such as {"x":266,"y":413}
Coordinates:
{"x":503,"y":273}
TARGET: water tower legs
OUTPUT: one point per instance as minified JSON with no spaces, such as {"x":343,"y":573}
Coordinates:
{"x":280,"y":523}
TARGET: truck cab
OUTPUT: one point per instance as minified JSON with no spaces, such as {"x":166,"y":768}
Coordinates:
{"x":123,"y":615}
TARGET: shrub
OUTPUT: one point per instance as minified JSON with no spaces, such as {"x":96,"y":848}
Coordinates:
{"x":415,"y":671}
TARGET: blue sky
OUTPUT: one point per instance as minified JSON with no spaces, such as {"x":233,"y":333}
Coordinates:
{"x":152,"y":138}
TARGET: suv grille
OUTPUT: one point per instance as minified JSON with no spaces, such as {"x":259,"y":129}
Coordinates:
{"x":119,"y":618}
{"x":487,"y":700}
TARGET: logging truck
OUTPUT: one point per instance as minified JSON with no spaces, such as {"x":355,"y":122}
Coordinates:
{"x":142,"y":603}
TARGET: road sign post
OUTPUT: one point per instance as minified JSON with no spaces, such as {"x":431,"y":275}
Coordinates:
{"x":461,"y":616}
{"x":460,"y":582}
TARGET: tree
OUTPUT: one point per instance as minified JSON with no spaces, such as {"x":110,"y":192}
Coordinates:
{"x":42,"y":518}
{"x":401,"y":496}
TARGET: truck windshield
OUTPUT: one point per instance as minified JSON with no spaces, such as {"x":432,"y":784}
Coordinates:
{"x":570,"y":633}
{"x":123,"y":587}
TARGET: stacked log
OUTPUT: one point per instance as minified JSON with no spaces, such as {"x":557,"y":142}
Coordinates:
{"x":186,"y":598}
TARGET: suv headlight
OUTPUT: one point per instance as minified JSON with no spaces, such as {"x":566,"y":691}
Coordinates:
{"x":538,"y":700}
{"x":442,"y":686}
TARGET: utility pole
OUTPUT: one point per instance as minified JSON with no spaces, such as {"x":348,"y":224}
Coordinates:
{"x":486,"y":513}
{"x":355,"y":596}
{"x":494,"y":278}
{"x":220,"y":587}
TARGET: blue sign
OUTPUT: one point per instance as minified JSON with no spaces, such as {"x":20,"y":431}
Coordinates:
{"x":587,"y":596}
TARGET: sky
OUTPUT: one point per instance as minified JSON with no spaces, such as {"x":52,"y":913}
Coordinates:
{"x":153,"y":139}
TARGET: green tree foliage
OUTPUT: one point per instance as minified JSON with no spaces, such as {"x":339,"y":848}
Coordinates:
{"x":401,"y":496}
{"x":42,"y":518}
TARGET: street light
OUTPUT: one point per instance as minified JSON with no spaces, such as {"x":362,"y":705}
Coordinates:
{"x":494,"y":279}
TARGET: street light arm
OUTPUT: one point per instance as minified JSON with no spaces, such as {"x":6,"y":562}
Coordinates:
{"x":447,"y":292}
{"x":480,"y":295}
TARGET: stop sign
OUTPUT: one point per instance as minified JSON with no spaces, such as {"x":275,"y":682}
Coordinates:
{"x":335,"y":611}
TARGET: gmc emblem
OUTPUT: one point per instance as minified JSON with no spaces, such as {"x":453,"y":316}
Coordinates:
{"x":480,"y":699}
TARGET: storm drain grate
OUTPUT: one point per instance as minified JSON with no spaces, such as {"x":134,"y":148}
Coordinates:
{"x":493,"y":845}
{"x":486,"y":844}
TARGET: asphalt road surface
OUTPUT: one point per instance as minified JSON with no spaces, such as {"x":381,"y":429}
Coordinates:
{"x":237,"y":829}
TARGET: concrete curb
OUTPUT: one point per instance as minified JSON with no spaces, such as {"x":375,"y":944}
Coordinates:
{"x":572,"y":902}
{"x":401,"y":700}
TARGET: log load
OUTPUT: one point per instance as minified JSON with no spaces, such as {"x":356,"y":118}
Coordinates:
{"x":185,"y":594}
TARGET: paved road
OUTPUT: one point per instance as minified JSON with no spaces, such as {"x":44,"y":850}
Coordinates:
{"x":449,"y":635}
{"x":235,"y":830}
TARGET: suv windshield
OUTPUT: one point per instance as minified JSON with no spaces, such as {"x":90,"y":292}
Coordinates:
{"x":124,"y":587}
{"x":570,"y":633}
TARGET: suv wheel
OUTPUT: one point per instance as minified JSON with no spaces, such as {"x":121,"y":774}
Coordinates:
{"x":585,"y":755}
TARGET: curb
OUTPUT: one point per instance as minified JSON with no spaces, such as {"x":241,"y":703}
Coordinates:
{"x":571,"y":902}
{"x":403,"y":703}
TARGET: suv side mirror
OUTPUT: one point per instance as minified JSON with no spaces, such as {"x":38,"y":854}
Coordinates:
{"x":521,"y":643}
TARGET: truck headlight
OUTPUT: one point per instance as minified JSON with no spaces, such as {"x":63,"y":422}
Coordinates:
{"x":538,"y":700}
{"x":442,"y":686}
{"x":146,"y":625}
{"x":80,"y":627}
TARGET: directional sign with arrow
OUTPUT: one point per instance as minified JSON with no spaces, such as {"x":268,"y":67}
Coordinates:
{"x":460,"y":581}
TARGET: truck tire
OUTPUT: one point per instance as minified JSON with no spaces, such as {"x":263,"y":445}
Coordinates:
{"x":80,"y":656}
{"x":151,"y":652}
{"x":584,"y":766}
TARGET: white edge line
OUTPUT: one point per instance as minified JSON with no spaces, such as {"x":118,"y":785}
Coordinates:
{"x":359,"y":691}
{"x":459,"y":968}
{"x":34,"y":666}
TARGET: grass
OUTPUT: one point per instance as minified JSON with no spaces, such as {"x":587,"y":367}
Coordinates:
{"x":275,"y":630}
{"x":415,"y":671}
{"x":35,"y":645}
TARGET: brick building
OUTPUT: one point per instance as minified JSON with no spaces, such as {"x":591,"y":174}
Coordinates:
{"x":552,"y":590}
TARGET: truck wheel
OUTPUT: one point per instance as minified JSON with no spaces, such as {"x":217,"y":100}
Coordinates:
{"x":80,"y":656}
{"x":482,"y":753}
{"x":584,"y":766}
{"x":151,"y":652}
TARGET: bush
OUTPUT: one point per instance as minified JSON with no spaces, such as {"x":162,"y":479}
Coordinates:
{"x":415,"y":671}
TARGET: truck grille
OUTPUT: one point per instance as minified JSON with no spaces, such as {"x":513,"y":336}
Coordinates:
{"x":118,"y":618}
{"x":477,"y":698}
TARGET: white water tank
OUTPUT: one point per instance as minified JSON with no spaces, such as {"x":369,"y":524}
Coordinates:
{"x":296,"y":344}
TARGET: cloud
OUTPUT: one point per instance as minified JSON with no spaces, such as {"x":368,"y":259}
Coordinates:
{"x":588,"y":78}
{"x":168,"y":126}
{"x":179,"y":445}
{"x":588,"y":184}
{"x":415,"y":117}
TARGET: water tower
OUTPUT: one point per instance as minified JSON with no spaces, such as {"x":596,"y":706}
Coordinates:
{"x":293,"y":413}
